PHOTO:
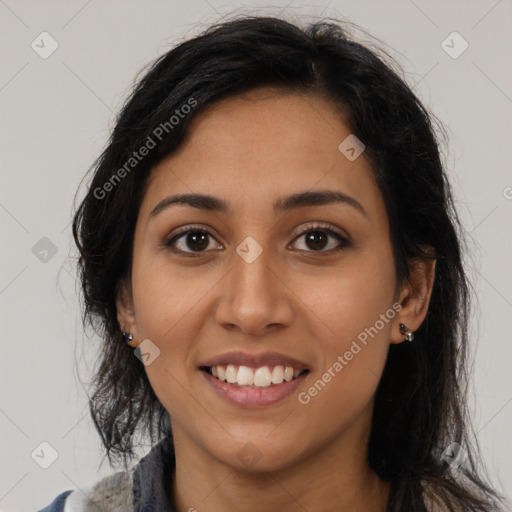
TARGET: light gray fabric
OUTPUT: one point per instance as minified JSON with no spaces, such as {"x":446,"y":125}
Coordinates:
{"x":143,"y":489}
{"x":113,"y":493}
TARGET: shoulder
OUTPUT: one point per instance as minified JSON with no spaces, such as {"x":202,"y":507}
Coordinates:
{"x":113,"y":493}
{"x":57,"y":505}
{"x":143,"y":487}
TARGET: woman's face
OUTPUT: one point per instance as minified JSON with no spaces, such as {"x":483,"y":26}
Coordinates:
{"x":266,"y":273}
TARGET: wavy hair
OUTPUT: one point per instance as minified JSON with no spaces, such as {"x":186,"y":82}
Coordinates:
{"x":420,"y":403}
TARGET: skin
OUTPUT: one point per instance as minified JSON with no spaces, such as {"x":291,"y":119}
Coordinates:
{"x":250,"y":150}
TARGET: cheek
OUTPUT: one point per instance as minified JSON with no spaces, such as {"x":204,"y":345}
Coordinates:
{"x":355,"y":295}
{"x":356,"y":318}
{"x":167,"y":296}
{"x":340,"y":391}
{"x":167,"y":302}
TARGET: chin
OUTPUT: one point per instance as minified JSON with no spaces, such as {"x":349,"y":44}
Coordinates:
{"x":258,"y":455}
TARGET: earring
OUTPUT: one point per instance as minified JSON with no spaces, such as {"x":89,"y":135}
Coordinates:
{"x":409,"y":336}
{"x":127,"y":337}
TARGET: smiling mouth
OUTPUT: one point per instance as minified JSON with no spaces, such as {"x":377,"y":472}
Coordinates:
{"x":262,"y":377}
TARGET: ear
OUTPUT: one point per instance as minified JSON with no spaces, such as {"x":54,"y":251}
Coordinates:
{"x":414,"y":296}
{"x":125,"y":310}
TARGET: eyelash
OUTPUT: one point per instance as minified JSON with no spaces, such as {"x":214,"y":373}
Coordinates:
{"x":168,"y":243}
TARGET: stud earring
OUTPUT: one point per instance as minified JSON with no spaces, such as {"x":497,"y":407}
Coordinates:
{"x":409,"y":336}
{"x":127,"y":337}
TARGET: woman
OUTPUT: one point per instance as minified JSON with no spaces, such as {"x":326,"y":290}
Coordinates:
{"x":271,"y":233}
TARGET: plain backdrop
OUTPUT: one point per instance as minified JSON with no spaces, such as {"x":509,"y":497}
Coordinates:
{"x":56,"y":114}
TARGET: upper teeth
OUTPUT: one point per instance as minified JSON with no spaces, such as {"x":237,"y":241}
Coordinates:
{"x":261,"y":377}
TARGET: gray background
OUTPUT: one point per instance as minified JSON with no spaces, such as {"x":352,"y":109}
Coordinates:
{"x":56,"y":114}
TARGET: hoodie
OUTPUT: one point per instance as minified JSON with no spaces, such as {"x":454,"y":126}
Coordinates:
{"x":144,"y":488}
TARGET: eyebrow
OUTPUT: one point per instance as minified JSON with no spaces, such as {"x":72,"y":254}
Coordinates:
{"x":281,"y":205}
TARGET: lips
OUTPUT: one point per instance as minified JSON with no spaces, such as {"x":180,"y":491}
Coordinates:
{"x":254,"y":380}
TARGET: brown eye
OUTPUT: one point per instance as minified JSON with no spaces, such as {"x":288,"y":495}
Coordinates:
{"x":197,"y":241}
{"x":316,"y":239}
{"x":191,"y":240}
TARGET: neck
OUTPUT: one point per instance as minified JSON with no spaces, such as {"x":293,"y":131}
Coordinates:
{"x":331,"y":479}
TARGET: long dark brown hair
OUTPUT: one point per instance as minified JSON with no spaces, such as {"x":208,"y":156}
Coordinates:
{"x":420,"y":405}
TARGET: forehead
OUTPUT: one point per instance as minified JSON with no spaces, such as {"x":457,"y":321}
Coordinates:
{"x":264,"y":144}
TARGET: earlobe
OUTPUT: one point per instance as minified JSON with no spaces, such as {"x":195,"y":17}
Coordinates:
{"x":414,"y":299}
{"x":405,"y":331}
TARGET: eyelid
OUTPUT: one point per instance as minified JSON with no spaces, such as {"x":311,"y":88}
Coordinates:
{"x":187,"y":228}
{"x":301,"y":230}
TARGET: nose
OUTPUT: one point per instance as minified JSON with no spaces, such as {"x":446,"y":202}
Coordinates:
{"x":255,"y":298}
